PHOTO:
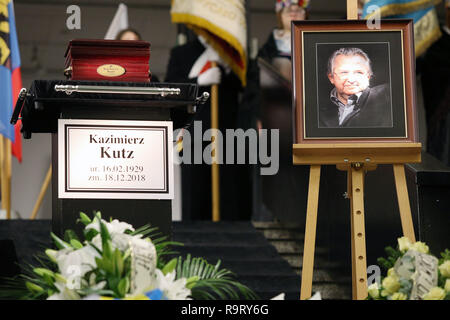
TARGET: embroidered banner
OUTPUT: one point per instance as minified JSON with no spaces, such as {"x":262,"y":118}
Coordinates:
{"x":222,"y":24}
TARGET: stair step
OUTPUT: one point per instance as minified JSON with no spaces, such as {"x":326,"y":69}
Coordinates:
{"x":281,"y":234}
{"x":258,"y":267}
{"x":209,"y":226}
{"x":325,"y":276}
{"x":333,"y":291}
{"x":328,"y":291}
{"x":320,"y":261}
{"x":272,"y":283}
{"x":243,"y":253}
{"x":227,"y":238}
{"x":277,"y":225}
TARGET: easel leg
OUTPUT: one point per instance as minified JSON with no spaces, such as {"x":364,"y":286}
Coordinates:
{"x":403,"y":202}
{"x":310,"y":232}
{"x":359,"y":260}
{"x":349,"y":194}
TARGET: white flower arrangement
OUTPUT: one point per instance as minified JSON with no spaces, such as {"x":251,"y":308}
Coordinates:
{"x":413,"y":274}
{"x":115,"y":261}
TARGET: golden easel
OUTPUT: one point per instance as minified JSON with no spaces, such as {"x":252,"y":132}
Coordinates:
{"x":356,"y":159}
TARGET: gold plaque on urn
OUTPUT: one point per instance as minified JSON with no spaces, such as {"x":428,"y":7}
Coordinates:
{"x":110,"y":70}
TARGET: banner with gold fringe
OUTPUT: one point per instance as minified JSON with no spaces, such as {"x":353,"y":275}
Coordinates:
{"x":396,"y":7}
{"x":222,"y":24}
{"x":422,"y":12}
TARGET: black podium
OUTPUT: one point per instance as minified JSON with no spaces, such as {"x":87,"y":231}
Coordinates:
{"x":47,"y":103}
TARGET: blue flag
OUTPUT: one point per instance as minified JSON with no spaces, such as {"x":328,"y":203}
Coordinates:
{"x":9,"y":63}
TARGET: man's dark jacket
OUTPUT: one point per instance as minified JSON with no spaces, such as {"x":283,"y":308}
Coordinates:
{"x":373,"y":109}
{"x":235,"y":186}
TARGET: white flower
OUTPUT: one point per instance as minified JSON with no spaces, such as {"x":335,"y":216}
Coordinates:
{"x":64,"y":292}
{"x":445,"y":269}
{"x":391,"y":272}
{"x":113,"y":227}
{"x":316,"y":296}
{"x":92,"y":297}
{"x":279,"y":297}
{"x":172,"y":289}
{"x":73,"y":264}
{"x":404,"y":244}
{"x":420,"y":247}
{"x":116,"y":230}
{"x":374,"y":290}
{"x":390,"y":285}
{"x":447,"y":285}
{"x":398,"y":296}
{"x":435,"y":293}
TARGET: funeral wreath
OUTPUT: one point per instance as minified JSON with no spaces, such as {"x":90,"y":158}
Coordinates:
{"x":413,"y":273}
{"x":116,"y":261}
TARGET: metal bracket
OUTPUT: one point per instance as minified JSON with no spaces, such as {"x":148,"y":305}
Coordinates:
{"x":202,"y":99}
{"x":69,"y":89}
{"x":19,"y":105}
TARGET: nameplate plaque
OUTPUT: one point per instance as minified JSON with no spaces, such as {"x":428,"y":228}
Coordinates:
{"x":115,"y":159}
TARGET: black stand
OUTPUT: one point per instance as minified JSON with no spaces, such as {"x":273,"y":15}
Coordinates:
{"x":42,"y":107}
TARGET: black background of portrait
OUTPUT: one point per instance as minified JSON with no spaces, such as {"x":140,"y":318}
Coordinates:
{"x":386,"y":66}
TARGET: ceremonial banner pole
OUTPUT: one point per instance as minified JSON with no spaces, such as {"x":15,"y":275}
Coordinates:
{"x":7,"y":173}
{"x":352,"y":9}
{"x":215,"y":177}
{"x":2,"y":173}
{"x":227,"y":35}
{"x":44,"y":187}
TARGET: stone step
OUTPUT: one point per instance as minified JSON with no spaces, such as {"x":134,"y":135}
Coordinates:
{"x":292,"y":247}
{"x":328,"y":291}
{"x":277,"y":225}
{"x":333,"y":291}
{"x":281,"y":234}
{"x":325,"y":276}
{"x":330,"y":279}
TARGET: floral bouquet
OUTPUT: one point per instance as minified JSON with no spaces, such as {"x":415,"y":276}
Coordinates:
{"x":115,"y":261}
{"x":413,"y":274}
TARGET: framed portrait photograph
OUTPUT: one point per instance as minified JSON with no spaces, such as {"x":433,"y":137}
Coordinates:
{"x":353,"y":83}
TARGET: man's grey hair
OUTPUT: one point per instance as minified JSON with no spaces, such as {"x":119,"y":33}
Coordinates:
{"x":348,"y":52}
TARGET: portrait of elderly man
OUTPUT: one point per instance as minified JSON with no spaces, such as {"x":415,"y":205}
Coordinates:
{"x":353,"y":102}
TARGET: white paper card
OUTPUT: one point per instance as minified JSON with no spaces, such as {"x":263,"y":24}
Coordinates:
{"x":114,"y":159}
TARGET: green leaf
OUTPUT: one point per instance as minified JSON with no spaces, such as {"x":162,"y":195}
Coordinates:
{"x":51,"y":254}
{"x":90,"y":234}
{"x":208,"y":281}
{"x":123,"y":287}
{"x":119,"y":263}
{"x":106,"y":238}
{"x":69,"y":235}
{"x":190,"y":283}
{"x":60,"y":244}
{"x":76,"y":244}
{"x":42,"y":271}
{"x":84,"y":219}
{"x":33,"y":287}
{"x":98,"y":215}
{"x":170,"y":266}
